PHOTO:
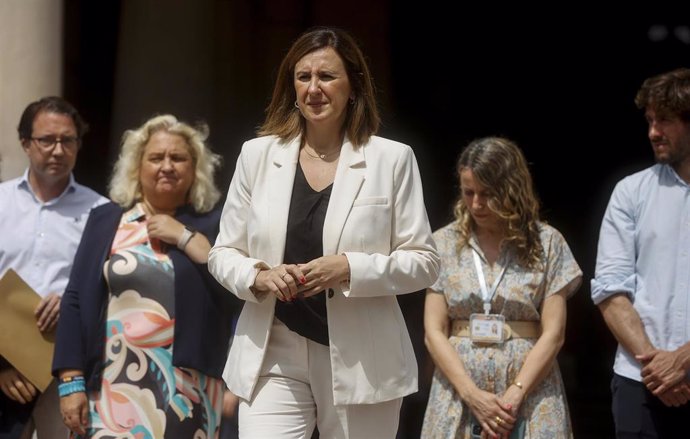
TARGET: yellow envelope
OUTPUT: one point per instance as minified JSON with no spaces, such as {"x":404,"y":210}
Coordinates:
{"x":21,"y":343}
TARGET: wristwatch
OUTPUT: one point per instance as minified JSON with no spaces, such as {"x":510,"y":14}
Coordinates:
{"x":187,"y":234}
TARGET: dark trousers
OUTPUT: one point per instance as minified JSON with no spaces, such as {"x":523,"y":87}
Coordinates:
{"x":637,"y":413}
{"x":228,"y":428}
{"x":13,"y":417}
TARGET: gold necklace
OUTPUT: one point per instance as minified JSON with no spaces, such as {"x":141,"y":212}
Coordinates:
{"x":320,"y":156}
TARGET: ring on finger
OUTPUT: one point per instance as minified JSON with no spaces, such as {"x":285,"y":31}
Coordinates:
{"x":499,"y":421}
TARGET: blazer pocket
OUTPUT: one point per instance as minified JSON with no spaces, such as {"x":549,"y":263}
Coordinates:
{"x":371,"y":201}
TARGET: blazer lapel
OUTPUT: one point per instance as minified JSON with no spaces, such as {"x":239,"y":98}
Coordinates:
{"x":280,"y":179}
{"x":349,"y":177}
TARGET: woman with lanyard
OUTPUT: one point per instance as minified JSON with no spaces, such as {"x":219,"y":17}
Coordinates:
{"x":495,"y":319}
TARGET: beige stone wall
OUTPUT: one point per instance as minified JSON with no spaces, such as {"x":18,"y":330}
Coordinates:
{"x":30,"y":67}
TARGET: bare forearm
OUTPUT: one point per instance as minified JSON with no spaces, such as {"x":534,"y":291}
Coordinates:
{"x":541,"y":357}
{"x":539,"y":361}
{"x":625,"y":324}
{"x":198,"y":248}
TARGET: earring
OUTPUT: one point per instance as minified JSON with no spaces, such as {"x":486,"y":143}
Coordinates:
{"x":352,"y":100}
{"x":296,"y":104}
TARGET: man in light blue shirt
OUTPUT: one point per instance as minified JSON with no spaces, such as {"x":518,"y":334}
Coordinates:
{"x":642,"y":279}
{"x":42,"y":216}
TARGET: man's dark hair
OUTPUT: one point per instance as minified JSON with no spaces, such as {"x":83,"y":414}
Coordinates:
{"x":667,"y":94}
{"x":49,"y":104}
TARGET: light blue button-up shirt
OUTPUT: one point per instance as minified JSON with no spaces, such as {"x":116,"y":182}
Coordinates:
{"x":38,"y":240}
{"x":644,"y":247}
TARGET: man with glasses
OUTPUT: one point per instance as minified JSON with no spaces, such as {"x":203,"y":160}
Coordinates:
{"x":42,"y":216}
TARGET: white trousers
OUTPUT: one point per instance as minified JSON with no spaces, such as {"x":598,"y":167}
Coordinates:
{"x":295,"y":393}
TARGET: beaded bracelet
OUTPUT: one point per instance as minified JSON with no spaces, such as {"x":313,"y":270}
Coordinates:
{"x":71,"y":385}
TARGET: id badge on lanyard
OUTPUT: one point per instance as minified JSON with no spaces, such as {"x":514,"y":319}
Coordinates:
{"x":487,"y":327}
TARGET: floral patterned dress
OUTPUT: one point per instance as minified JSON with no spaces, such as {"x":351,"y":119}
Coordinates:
{"x":519,"y":296}
{"x":142,"y":395}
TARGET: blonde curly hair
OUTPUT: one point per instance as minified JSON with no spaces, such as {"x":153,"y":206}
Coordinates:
{"x":125,"y":188}
{"x":501,"y":168}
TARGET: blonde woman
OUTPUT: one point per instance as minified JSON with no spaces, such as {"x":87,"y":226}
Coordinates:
{"x":144,"y":329}
{"x":502,"y":269}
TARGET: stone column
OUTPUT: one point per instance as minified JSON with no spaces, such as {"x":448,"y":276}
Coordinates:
{"x":30,"y":67}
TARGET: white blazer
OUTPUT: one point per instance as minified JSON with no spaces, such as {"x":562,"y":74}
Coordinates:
{"x":376,"y":217}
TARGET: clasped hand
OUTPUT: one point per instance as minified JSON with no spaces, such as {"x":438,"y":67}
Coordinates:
{"x":664,"y":375}
{"x":496,"y":415}
{"x":164,"y":228}
{"x":294,"y":281}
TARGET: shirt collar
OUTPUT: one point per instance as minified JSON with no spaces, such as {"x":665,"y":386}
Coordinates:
{"x":23,"y":183}
{"x":673,"y":175}
{"x":135,"y":214}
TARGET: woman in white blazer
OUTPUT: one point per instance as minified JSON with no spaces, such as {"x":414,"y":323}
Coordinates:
{"x":324,"y":224}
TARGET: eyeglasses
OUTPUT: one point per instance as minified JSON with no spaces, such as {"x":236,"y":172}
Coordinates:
{"x":47,"y":143}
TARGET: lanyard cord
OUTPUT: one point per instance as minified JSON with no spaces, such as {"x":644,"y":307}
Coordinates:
{"x":486,"y":294}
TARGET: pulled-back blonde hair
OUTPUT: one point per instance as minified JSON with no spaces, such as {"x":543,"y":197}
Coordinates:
{"x":500,"y":167}
{"x":125,"y":187}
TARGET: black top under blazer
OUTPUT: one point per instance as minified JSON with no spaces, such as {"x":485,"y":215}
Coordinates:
{"x":204,"y":310}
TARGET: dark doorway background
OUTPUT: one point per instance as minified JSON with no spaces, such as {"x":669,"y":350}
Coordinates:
{"x":562,"y":88}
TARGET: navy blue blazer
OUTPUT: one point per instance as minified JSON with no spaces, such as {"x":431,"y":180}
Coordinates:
{"x":204,"y":310}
